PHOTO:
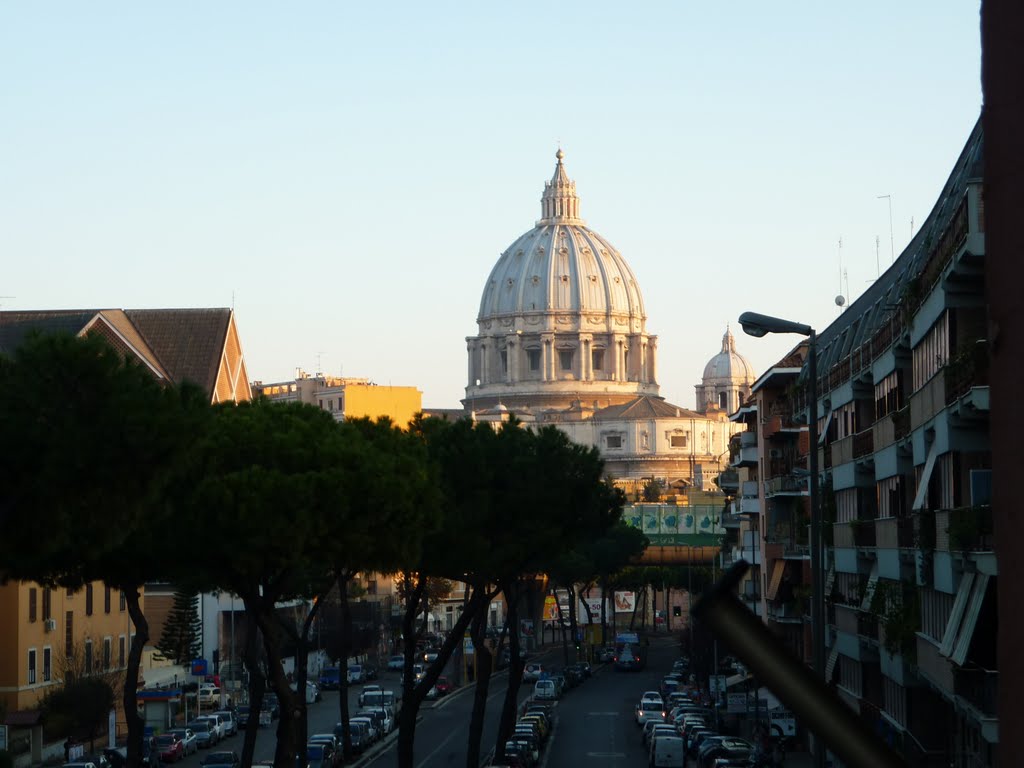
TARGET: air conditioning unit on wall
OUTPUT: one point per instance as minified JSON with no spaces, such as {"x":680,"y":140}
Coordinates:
{"x":50,"y":625}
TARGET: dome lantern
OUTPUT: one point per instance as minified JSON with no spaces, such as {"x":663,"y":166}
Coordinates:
{"x":560,"y":204}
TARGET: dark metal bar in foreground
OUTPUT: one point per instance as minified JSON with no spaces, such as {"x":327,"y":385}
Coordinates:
{"x":817,"y":706}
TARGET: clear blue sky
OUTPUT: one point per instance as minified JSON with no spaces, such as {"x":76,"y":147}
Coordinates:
{"x":348,"y":173}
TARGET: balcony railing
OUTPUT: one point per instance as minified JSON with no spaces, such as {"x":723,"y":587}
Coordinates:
{"x":867,"y":625}
{"x":970,"y":529}
{"x":901,"y":422}
{"x":785,"y":484}
{"x":967,"y":368}
{"x":980,"y":687}
{"x":863,"y":443}
{"x":894,"y":532}
{"x":863,"y":533}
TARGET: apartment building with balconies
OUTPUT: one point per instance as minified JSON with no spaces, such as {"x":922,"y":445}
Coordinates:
{"x":905,"y":475}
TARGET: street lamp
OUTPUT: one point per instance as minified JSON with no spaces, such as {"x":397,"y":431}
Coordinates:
{"x":759,"y":325}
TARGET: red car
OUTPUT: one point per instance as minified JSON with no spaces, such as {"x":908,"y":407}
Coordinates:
{"x":170,"y":748}
{"x":443,"y":686}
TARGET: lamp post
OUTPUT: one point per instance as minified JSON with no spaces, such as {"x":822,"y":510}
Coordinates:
{"x":759,"y":325}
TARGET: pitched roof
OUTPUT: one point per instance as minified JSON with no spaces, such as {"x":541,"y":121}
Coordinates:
{"x":645,"y":407}
{"x":179,"y":344}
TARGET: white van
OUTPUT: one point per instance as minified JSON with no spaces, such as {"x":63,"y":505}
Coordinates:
{"x":545,"y":689}
{"x":667,"y":752}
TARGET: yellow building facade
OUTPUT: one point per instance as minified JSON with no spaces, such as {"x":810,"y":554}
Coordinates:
{"x":346,"y":398}
{"x":54,"y":631}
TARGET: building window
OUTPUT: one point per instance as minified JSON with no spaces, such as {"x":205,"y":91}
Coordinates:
{"x":88,"y":657}
{"x":936,"y":608}
{"x":888,"y":395}
{"x":88,"y":599}
{"x":107,"y":646}
{"x":371,"y":587}
{"x":849,"y":674}
{"x":31,"y":604}
{"x":47,"y":664}
{"x":504,"y":361}
{"x":70,"y":593}
{"x":533,"y":357}
{"x":106,"y":599}
{"x":565,"y":359}
{"x":597,"y":359}
{"x":846,"y":505}
{"x":69,"y":634}
{"x":613,"y":441}
{"x":723,"y":400}
{"x":46,"y":604}
{"x":120,"y":651}
{"x":892,"y":501}
{"x":31,"y":666}
{"x":845,"y":419}
{"x":931,"y":353}
{"x":677,"y":441}
{"x":124,"y":603}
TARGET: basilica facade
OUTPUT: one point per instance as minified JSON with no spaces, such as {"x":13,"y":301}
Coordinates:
{"x":562,"y":339}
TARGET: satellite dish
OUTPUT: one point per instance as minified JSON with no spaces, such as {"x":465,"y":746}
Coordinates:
{"x":840,"y":300}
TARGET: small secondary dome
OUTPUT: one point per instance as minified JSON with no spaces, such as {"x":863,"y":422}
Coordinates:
{"x":727,"y":379}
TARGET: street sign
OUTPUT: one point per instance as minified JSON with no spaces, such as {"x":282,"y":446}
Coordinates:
{"x":736,"y":703}
{"x":467,"y":645}
{"x":199,"y":667}
{"x":716,"y":684}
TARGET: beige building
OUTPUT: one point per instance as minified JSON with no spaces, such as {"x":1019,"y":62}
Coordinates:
{"x":346,"y":398}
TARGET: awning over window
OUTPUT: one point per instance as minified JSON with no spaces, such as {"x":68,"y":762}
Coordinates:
{"x":824,"y":428}
{"x":957,"y":614}
{"x":777,"y":571}
{"x":926,"y":476}
{"x":974,"y":604}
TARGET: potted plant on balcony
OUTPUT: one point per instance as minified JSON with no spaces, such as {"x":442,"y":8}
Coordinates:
{"x":898,"y":609}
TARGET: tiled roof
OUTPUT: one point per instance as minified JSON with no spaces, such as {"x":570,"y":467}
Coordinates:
{"x":23,"y":718}
{"x":181,"y":344}
{"x":188,"y":342}
{"x":644,"y":407}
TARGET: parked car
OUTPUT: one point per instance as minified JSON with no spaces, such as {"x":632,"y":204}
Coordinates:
{"x":396,"y":663}
{"x":606,"y":654}
{"x":242,"y":716}
{"x":545,"y":690}
{"x":188,"y":739}
{"x":358,"y":733}
{"x":369,"y":672}
{"x":219,"y":726}
{"x":330,"y":679}
{"x":221,"y":759}
{"x":99,"y":760}
{"x":373,"y":733}
{"x":368,"y":689}
{"x":209,"y":695}
{"x":206,"y":735}
{"x":383,"y":718}
{"x":532,"y":672}
{"x":355,"y":673}
{"x":444,"y":686}
{"x":170,"y":748}
{"x":228,"y":721}
{"x":321,"y":754}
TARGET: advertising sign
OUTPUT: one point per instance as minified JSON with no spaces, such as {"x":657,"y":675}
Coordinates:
{"x":199,"y":667}
{"x":526,"y":627}
{"x":550,"y":608}
{"x":625,"y":602}
{"x":594,"y":604}
{"x":736,"y":703}
{"x":716,"y":683}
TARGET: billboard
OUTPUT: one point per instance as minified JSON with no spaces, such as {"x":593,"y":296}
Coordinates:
{"x":550,"y":608}
{"x":594,"y":603}
{"x":625,"y":602}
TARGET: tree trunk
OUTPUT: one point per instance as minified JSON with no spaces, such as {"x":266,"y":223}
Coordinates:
{"x":510,"y":706}
{"x":573,"y":628}
{"x":561,"y":629}
{"x":257,"y":685}
{"x":301,"y":639}
{"x":346,"y":646}
{"x":483,"y":679}
{"x":136,"y":725}
{"x":413,"y":695}
{"x":285,"y":753}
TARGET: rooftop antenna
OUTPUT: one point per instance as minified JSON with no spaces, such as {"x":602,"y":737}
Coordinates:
{"x":892,"y":249}
{"x":840,"y":298}
{"x":911,"y":227}
{"x":319,"y":368}
{"x":878,"y":264}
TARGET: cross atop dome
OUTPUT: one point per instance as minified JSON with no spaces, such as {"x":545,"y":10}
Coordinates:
{"x":559,"y":204}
